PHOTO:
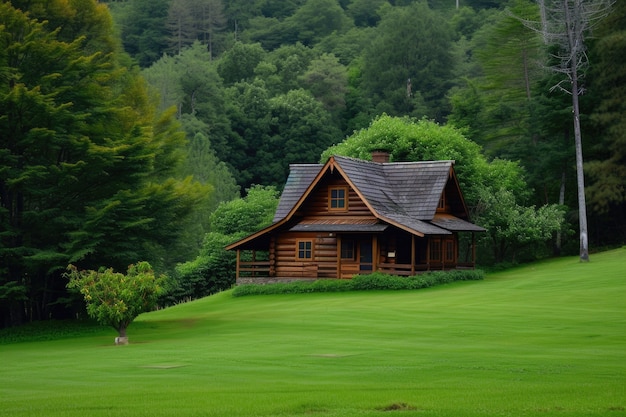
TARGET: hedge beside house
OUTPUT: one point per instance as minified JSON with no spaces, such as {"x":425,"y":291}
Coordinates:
{"x":374,"y":281}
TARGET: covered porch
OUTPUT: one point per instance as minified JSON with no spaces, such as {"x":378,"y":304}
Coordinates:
{"x":313,"y":253}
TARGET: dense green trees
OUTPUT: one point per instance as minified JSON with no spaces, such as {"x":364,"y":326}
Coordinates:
{"x":480,"y":63}
{"x":407,"y":68}
{"x":250,"y":105}
{"x":87,"y":165}
{"x":497,"y":104}
{"x":143,"y":28}
{"x":213,"y":270}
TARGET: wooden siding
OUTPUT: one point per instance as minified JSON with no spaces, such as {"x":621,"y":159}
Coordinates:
{"x":323,"y":263}
{"x":316,"y":206}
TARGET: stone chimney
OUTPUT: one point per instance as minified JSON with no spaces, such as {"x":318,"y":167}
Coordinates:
{"x":380,"y":156}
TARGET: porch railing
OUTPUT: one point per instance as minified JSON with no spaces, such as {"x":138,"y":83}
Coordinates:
{"x":406,"y":270}
{"x":261,"y":269}
{"x":254,"y":269}
{"x":401,"y":269}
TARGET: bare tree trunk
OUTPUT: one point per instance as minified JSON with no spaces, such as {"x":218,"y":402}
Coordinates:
{"x":580,"y":177}
{"x":574,"y":40}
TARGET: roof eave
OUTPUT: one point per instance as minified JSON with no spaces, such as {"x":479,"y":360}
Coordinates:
{"x":255,"y":235}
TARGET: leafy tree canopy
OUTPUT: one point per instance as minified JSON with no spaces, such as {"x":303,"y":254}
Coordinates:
{"x":245,"y":215}
{"x":116,"y":299}
{"x":409,"y":139}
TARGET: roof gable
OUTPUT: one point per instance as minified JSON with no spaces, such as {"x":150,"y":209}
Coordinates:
{"x":405,"y":194}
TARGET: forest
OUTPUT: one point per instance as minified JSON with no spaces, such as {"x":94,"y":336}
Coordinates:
{"x":163,"y":130}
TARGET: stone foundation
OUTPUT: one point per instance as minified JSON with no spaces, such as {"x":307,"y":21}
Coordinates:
{"x":272,"y":280}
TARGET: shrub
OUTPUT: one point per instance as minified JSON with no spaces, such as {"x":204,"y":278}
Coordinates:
{"x":374,"y":281}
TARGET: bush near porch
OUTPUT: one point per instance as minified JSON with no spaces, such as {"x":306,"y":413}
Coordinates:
{"x":374,"y":281}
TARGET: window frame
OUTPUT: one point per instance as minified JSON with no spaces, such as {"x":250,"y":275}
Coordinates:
{"x":304,"y":250}
{"x":343,"y":199}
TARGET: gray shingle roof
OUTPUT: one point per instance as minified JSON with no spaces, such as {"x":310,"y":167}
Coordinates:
{"x":300,"y":177}
{"x":406,"y":193}
{"x":455,"y":224}
{"x":411,"y":189}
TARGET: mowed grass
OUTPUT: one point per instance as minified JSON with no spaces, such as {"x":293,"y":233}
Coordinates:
{"x":548,"y":339}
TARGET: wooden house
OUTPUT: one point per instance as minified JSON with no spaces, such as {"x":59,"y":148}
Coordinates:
{"x":350,"y":216}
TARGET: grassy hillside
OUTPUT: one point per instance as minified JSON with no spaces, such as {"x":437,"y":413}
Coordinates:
{"x":547,"y":339}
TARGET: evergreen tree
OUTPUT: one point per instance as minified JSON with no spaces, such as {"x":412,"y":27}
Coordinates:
{"x":86,"y":162}
{"x":315,"y":20}
{"x":606,"y":166}
{"x":300,"y":130}
{"x":144,"y":29}
{"x":180,"y":23}
{"x":607,"y":169}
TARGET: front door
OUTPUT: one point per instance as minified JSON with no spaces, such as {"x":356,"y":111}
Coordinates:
{"x":365,"y":255}
{"x":356,"y":256}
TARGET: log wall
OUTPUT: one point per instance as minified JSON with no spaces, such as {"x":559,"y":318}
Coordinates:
{"x":323,"y":263}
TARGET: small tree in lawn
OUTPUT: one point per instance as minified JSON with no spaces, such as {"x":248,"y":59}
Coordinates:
{"x":116,"y":299}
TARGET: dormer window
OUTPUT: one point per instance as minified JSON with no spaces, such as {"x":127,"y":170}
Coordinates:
{"x":338,"y":199}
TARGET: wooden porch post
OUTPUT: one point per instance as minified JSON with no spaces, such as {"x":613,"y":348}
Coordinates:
{"x":412,"y":254}
{"x":272,"y":268}
{"x":338,"y":257}
{"x":442,"y":253}
{"x":375,"y":254}
{"x":473,"y":250}
{"x":428,"y":254}
{"x":237,"y":267}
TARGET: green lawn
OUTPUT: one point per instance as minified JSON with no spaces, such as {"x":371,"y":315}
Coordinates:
{"x":547,"y":339}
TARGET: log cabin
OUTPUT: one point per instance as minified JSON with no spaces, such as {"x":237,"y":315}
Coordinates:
{"x":350,"y":216}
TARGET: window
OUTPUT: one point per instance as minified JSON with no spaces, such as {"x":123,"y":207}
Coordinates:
{"x":305,"y":249}
{"x":435,"y":250}
{"x":337,"y":199}
{"x":347,"y":249}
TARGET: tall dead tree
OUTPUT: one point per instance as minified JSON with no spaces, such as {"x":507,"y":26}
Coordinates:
{"x":564,"y":25}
